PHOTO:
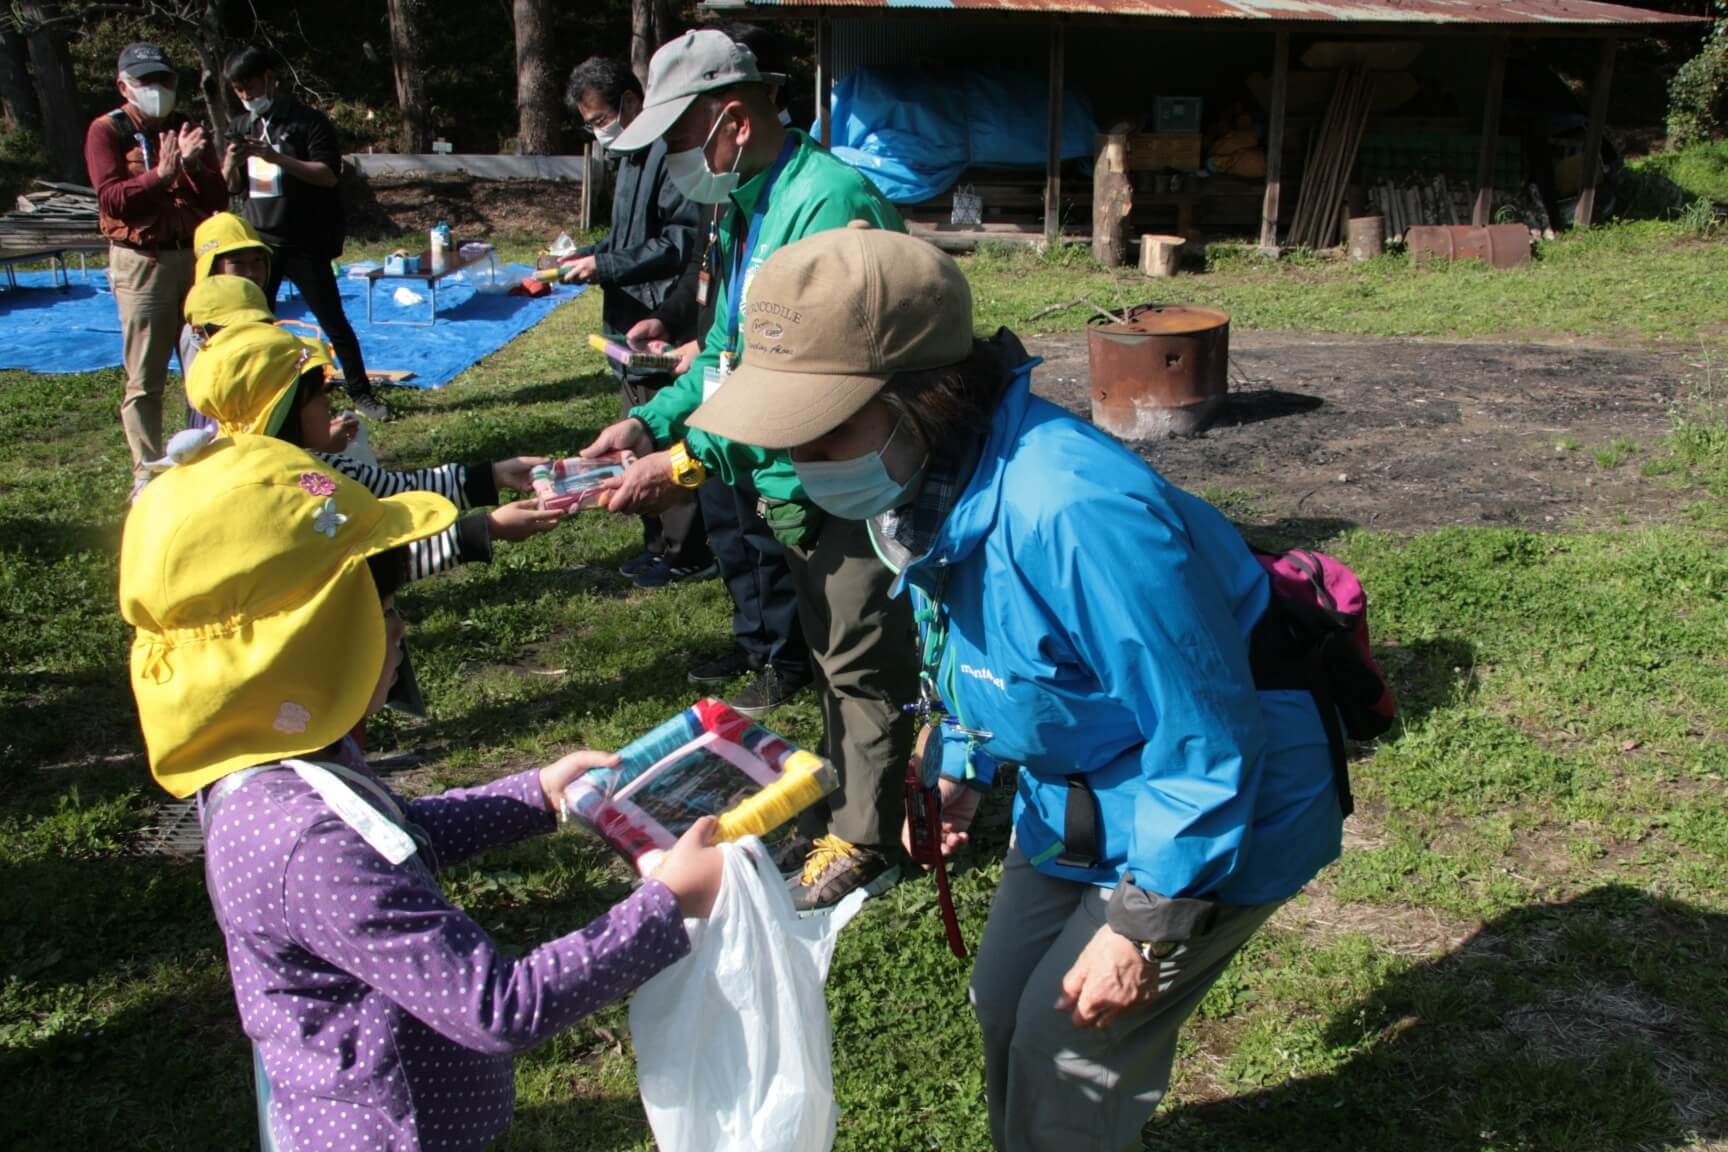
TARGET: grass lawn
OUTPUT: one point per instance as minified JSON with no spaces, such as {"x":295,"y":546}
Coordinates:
{"x":1525,"y":946}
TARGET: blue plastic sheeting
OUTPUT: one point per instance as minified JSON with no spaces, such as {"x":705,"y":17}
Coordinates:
{"x":913,"y":134}
{"x":43,"y":329}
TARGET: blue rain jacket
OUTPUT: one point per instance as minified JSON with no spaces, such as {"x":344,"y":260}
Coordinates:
{"x":1097,"y":622}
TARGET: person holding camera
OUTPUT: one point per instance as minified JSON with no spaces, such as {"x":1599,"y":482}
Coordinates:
{"x":284,"y":159}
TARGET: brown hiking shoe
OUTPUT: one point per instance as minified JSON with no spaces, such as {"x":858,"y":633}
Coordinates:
{"x":835,"y":869}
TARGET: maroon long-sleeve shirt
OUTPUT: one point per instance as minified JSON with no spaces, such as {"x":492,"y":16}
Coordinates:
{"x":138,"y":206}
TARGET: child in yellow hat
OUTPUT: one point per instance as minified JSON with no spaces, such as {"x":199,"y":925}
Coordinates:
{"x":259,"y":581}
{"x":263,"y":380}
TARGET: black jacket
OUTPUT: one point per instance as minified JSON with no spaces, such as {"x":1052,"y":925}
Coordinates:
{"x":653,"y":238}
{"x":304,"y":218}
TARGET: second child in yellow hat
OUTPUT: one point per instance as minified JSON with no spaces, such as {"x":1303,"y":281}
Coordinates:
{"x":263,"y":380}
{"x":260,"y":584}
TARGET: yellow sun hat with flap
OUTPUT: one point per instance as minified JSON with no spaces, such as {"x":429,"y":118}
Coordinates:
{"x":260,"y":633}
{"x":245,"y":376}
{"x":219,"y":235}
{"x":224,"y":301}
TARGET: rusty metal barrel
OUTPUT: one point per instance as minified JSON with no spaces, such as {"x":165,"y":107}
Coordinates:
{"x":1161,"y":372}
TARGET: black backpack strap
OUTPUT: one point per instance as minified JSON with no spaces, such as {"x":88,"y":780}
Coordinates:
{"x":1320,"y":687}
{"x":1079,"y":827}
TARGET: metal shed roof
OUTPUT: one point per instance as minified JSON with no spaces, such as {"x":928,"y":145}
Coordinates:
{"x":1543,"y":13}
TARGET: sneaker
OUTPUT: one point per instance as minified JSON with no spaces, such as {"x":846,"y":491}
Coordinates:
{"x":371,"y":407}
{"x":834,"y":869}
{"x":723,"y":668}
{"x":637,"y":564}
{"x":660,"y":573}
{"x":767,"y":690}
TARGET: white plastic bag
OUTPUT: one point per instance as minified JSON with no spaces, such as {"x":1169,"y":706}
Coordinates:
{"x":733,"y":1052}
{"x":968,"y":210}
{"x":407,"y":297}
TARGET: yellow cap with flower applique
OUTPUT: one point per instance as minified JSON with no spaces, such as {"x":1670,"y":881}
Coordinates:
{"x":245,"y":377}
{"x":260,"y":634}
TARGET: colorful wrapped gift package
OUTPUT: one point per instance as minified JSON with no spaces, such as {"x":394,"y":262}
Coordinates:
{"x":709,"y":760}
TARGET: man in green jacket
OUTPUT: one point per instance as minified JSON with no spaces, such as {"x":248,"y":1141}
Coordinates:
{"x":771,"y":186}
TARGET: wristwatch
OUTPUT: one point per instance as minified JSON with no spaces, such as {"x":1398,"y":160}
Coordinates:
{"x":687,"y":471}
{"x":1153,"y":951}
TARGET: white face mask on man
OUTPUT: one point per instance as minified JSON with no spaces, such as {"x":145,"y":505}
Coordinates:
{"x":154,"y":100}
{"x":259,"y":105}
{"x":608,"y":132}
{"x":689,"y":172}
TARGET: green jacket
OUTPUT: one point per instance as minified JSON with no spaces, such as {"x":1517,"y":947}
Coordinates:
{"x":816,"y":191}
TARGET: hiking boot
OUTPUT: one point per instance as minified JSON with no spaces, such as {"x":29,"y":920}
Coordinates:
{"x":660,"y":573}
{"x":723,"y":668}
{"x":767,"y":690}
{"x":637,"y":564}
{"x":835,"y":869}
{"x":370,"y":407}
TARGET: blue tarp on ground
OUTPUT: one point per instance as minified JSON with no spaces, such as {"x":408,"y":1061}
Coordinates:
{"x":913,"y":134}
{"x":46,"y":330}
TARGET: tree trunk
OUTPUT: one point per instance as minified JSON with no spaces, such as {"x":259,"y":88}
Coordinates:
{"x":214,"y":43}
{"x":17,"y":95}
{"x":536,"y":84}
{"x":652,"y":23}
{"x":416,"y":133}
{"x":56,"y":90}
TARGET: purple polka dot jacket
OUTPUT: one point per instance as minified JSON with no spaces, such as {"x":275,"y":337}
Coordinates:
{"x":386,"y":1018}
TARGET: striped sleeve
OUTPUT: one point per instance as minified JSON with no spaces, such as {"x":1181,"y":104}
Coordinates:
{"x":467,"y":541}
{"x":448,"y":480}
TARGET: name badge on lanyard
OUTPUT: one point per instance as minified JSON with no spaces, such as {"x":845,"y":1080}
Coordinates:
{"x":263,"y":179}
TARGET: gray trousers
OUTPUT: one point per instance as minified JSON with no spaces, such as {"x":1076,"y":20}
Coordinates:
{"x":864,"y":648}
{"x":1052,"y":1087}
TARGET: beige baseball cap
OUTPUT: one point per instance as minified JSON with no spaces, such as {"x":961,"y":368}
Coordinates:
{"x":699,"y":61}
{"x":827,"y":322}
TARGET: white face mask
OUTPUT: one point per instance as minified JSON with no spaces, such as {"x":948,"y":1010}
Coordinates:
{"x":259,"y":106}
{"x":154,"y":100}
{"x":690,"y":174}
{"x":606,"y":133}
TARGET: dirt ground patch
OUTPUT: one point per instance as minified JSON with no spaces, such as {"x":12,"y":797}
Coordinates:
{"x":1399,"y":434}
{"x":384,"y":207}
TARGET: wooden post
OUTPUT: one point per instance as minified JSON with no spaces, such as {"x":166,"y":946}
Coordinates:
{"x":1275,"y":144}
{"x":1053,"y":162}
{"x":824,"y":80}
{"x":1483,"y":214}
{"x":1112,"y":196}
{"x":1586,"y":214}
{"x":586,"y":218}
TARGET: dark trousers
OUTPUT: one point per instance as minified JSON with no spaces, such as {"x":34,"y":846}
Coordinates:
{"x":753,"y":563}
{"x":678,"y":534}
{"x":866,"y":654}
{"x":317,"y":283}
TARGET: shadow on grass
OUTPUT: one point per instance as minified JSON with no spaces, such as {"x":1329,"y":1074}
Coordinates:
{"x":1429,"y":674}
{"x":1309,"y":532}
{"x":44,"y":541}
{"x":1593,"y":1024}
{"x":584,"y":386}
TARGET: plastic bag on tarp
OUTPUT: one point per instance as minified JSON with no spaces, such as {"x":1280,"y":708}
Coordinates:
{"x":733,"y":1052}
{"x":913,"y":134}
{"x":495,"y":279}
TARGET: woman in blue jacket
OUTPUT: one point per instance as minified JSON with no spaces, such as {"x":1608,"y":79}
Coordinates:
{"x":1083,"y":619}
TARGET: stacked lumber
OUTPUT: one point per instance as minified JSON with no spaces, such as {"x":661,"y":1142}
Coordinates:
{"x":1437,"y":200}
{"x":61,"y":215}
{"x":1332,"y":156}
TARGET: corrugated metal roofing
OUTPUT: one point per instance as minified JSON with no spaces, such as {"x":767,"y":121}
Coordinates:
{"x":1549,"y":13}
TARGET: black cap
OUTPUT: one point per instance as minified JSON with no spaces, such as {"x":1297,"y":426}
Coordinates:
{"x":141,"y":60}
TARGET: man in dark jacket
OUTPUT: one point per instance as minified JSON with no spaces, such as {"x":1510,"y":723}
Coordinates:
{"x":285,"y":160}
{"x":653,"y":238}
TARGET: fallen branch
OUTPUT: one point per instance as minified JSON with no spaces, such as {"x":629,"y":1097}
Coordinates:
{"x":1113,"y":317}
